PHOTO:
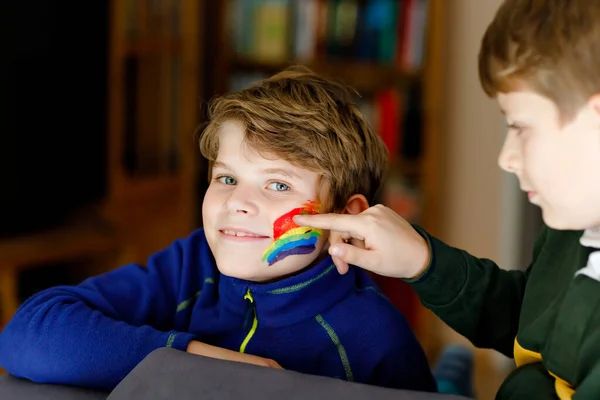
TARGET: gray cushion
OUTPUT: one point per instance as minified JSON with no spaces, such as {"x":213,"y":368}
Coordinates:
{"x":172,"y":374}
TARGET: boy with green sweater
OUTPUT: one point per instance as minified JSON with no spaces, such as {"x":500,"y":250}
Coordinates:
{"x":540,"y":59}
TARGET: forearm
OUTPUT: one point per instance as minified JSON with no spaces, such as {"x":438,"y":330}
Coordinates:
{"x":473,"y":296}
{"x":57,"y":338}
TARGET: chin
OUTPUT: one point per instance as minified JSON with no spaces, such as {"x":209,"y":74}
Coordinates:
{"x":566,"y":222}
{"x":233,"y":269}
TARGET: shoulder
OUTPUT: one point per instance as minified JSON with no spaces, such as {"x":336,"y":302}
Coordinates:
{"x":372,"y":318}
{"x":193,"y":244}
{"x":189,"y":253}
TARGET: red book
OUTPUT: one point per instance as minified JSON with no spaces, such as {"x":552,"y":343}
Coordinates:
{"x":388,"y":106}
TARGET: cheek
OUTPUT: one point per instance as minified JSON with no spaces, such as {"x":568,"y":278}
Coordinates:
{"x":210,"y":204}
{"x":537,"y":161}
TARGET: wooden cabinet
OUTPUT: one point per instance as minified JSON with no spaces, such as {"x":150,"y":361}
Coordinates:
{"x":154,"y":111}
{"x":152,"y":153}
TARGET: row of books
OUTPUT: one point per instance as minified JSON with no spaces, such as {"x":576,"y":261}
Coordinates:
{"x":389,"y":32}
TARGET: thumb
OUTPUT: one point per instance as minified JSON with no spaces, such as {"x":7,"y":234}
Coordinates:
{"x":353,"y":255}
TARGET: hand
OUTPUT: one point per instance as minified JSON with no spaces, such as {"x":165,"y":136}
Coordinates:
{"x":378,"y":240}
{"x":203,"y":349}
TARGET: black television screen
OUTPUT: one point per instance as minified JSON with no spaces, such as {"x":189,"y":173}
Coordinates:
{"x":54,"y":111}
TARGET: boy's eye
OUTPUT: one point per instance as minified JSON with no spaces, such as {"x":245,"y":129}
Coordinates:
{"x":226,"y":180}
{"x":278,"y":187}
{"x":513,"y":127}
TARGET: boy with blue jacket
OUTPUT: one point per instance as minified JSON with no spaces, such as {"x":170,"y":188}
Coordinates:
{"x":252,"y":285}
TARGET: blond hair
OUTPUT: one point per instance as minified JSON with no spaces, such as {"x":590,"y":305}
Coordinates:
{"x":311,"y":122}
{"x":551,"y":47}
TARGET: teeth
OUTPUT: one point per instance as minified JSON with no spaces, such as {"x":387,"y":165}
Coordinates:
{"x":240,"y":234}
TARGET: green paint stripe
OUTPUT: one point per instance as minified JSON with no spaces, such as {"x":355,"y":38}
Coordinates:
{"x":340,"y":347}
{"x":282,"y":242}
{"x":299,"y":286}
{"x":186,"y":303}
{"x":171,"y":339}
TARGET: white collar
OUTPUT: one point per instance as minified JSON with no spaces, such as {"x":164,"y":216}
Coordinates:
{"x":591,"y":238}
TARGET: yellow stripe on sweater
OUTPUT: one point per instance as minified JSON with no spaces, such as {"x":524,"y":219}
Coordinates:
{"x":564,"y":391}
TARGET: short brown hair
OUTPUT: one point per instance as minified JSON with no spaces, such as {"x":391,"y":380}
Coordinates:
{"x":310,"y":121}
{"x":551,"y":47}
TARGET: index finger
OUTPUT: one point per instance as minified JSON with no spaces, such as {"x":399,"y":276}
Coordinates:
{"x":333,"y":222}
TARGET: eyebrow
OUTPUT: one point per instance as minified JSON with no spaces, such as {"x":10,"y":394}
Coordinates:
{"x":279,"y":171}
{"x":220,"y":164}
{"x":282,"y":171}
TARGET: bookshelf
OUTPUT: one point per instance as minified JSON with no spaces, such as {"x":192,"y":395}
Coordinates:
{"x":153,"y":115}
{"x":390,"y":51}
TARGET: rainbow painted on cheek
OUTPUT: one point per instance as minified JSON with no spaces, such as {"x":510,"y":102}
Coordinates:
{"x":291,"y":239}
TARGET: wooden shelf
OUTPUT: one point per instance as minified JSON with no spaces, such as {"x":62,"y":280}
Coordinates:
{"x":154,"y":47}
{"x":151,"y":187}
{"x":56,"y":245}
{"x":363,"y":76}
{"x":69,"y":243}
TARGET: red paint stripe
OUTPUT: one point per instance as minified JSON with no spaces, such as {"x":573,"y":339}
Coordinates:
{"x":286,"y":222}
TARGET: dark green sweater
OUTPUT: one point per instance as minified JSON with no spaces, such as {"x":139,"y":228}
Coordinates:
{"x":547,"y":318}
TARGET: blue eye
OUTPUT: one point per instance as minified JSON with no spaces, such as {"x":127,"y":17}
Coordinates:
{"x":226,"y":180}
{"x":278,"y":187}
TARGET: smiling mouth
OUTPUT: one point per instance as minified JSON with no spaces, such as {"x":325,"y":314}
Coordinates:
{"x":242,"y":234}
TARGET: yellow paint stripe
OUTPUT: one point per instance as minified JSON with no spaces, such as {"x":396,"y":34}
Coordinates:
{"x":301,"y":230}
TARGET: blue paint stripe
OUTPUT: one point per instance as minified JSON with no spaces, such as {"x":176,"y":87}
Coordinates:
{"x":298,"y":243}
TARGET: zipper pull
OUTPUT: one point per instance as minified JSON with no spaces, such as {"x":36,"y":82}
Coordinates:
{"x":248,"y":296}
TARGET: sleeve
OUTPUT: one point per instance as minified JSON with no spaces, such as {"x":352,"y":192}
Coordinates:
{"x":95,"y":333}
{"x":586,"y":363}
{"x":474,"y":296}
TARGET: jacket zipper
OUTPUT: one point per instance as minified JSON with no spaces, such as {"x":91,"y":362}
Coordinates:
{"x":249,"y":297}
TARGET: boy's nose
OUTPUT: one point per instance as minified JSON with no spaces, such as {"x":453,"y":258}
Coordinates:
{"x":510,"y":155}
{"x":241,"y":202}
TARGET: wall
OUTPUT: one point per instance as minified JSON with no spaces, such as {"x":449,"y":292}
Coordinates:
{"x":483,"y":205}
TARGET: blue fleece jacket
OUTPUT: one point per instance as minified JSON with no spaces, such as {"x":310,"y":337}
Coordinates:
{"x":317,"y":322}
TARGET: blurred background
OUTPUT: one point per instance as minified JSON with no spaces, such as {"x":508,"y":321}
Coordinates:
{"x":102,"y":102}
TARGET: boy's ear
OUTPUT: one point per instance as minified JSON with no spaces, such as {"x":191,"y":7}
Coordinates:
{"x":595,"y":103}
{"x":356,"y":204}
